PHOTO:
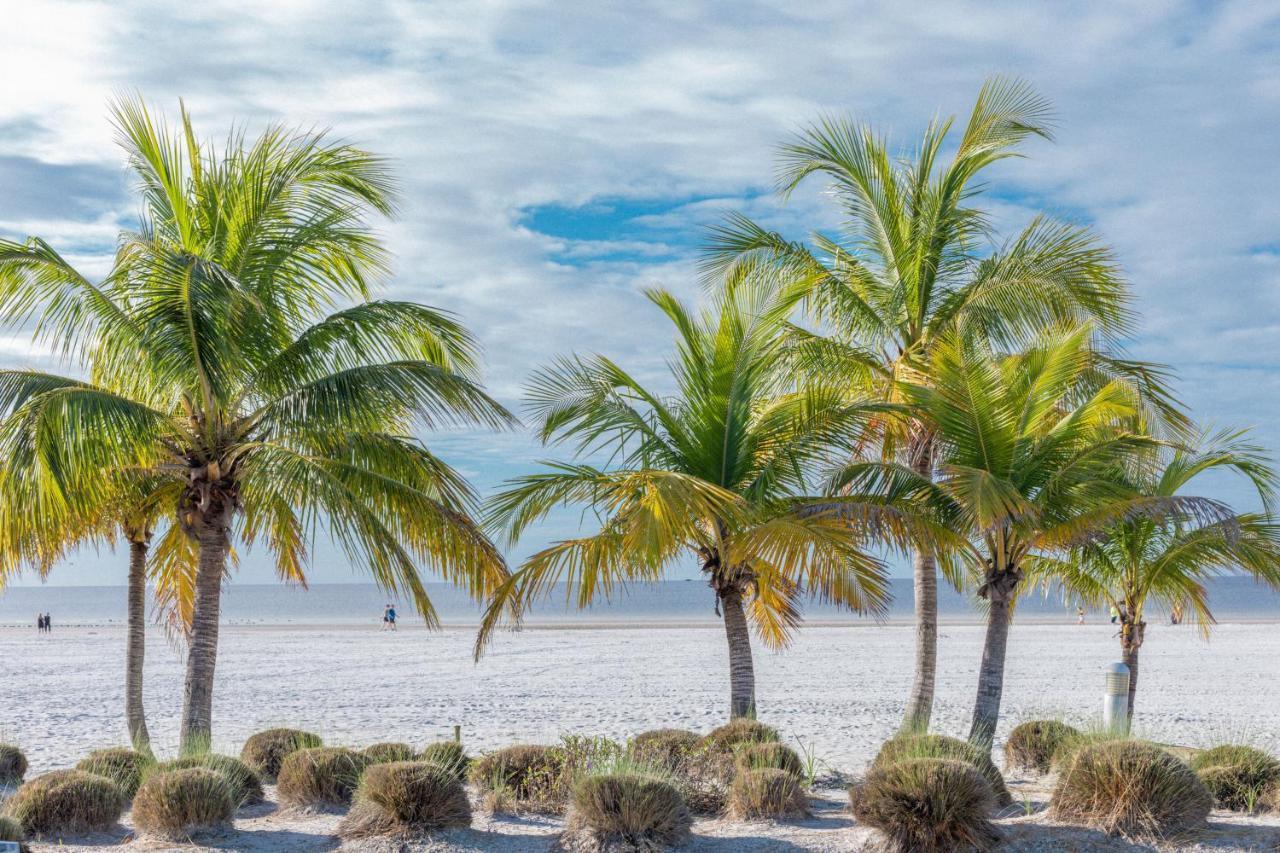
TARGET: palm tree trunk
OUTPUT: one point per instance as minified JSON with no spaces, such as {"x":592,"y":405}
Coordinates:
{"x":986,"y":709}
{"x":135,"y":646}
{"x":925,"y":573}
{"x":202,"y":655}
{"x":742,"y":676}
{"x":1130,"y":644}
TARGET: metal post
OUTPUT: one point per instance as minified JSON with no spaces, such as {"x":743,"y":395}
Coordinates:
{"x":1115,"y":700}
{"x":457,"y":734}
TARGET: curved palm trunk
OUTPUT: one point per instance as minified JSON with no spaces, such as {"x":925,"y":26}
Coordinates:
{"x":135,"y":646}
{"x":986,"y":708}
{"x":742,"y":675}
{"x":925,"y":574}
{"x":197,"y":700}
{"x":1131,"y":637}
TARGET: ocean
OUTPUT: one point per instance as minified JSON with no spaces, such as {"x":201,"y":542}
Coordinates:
{"x":681,"y":602}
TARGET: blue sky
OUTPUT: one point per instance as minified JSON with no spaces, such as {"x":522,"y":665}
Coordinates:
{"x":556,"y":158}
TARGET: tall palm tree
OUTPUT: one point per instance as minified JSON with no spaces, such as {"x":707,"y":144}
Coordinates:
{"x":718,"y":471}
{"x":916,"y":259}
{"x":1166,"y":561}
{"x":218,"y":364}
{"x":1031,"y":454}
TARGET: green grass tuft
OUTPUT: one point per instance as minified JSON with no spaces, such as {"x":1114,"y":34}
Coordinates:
{"x":265,"y":751}
{"x":927,"y":805}
{"x":767,"y":793}
{"x":244,"y":784}
{"x":1033,"y":745}
{"x":904,"y":747}
{"x":174,"y":804}
{"x":404,"y":799}
{"x":120,"y":764}
{"x":320,"y":777}
{"x":66,"y":802}
{"x":13,"y":765}
{"x":626,"y":811}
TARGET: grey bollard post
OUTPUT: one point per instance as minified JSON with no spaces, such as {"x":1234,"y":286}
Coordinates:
{"x":1115,"y":699}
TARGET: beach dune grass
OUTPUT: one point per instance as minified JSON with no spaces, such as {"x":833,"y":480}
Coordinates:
{"x":320,"y":777}
{"x":700,"y":770}
{"x":120,"y":764}
{"x":243,"y":783}
{"x":753,"y":756}
{"x":909,"y":746}
{"x":626,"y":811}
{"x":927,"y":805}
{"x":766,"y":793}
{"x":1238,"y":776}
{"x":1130,"y":788}
{"x":1034,"y":745}
{"x":383,"y":753}
{"x":175,"y":804}
{"x":522,"y":777}
{"x":13,"y":765}
{"x":11,"y":830}
{"x":66,"y":802}
{"x":743,"y":730}
{"x":405,"y":799}
{"x":448,"y":755}
{"x":668,"y":749}
{"x":265,"y":751}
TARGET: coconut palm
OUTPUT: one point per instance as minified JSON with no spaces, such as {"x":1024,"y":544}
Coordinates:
{"x":719,"y":471}
{"x":916,"y":259}
{"x":1165,"y":562}
{"x":218,"y":364}
{"x":1031,"y":455}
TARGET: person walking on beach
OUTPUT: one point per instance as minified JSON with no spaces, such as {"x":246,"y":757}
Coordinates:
{"x":1115,"y":615}
{"x":48,"y":624}
{"x":40,"y":622}
{"x":391,"y":617}
{"x":1080,"y":615}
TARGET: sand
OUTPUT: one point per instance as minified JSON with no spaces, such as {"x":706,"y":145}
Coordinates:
{"x":837,"y":692}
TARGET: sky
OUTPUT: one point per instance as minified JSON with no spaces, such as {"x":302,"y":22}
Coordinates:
{"x":556,"y":158}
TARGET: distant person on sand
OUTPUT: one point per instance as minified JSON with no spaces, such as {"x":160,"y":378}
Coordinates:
{"x":40,"y":622}
{"x":48,"y":623}
{"x":1080,"y":615}
{"x":1115,"y":614}
{"x":391,"y":617}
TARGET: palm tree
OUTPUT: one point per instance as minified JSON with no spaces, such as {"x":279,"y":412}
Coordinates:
{"x":1167,"y":561}
{"x":916,"y":260}
{"x":219,"y":365}
{"x":718,"y":471}
{"x":1031,"y":458}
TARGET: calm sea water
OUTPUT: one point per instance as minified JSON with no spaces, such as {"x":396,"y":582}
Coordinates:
{"x":1233,"y":599}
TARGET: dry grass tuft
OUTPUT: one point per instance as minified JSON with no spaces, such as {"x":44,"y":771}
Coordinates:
{"x":1033,"y":745}
{"x":927,"y":805}
{"x":66,"y":802}
{"x":906,"y":747}
{"x":120,"y":764}
{"x":320,"y":776}
{"x":753,"y":756}
{"x":1237,"y":776}
{"x":13,"y":765}
{"x":526,"y":777}
{"x":737,"y":732}
{"x":766,"y":793}
{"x":244,"y":784}
{"x":626,"y":811}
{"x":405,"y":799}
{"x":267,"y":750}
{"x":174,"y":804}
{"x":1130,"y":788}
{"x":11,"y":830}
{"x":449,"y":755}
{"x":668,"y":749}
{"x":384,"y":753}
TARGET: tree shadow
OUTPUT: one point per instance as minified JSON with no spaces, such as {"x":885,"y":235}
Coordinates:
{"x":268,"y":839}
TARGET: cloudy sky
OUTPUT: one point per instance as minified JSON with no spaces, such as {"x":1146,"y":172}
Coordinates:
{"x":558,"y":157}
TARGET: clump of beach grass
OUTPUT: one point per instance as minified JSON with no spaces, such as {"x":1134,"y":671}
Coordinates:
{"x":699,"y":769}
{"x":13,"y":765}
{"x":669,"y":749}
{"x":11,"y":830}
{"x":120,"y":764}
{"x":625,"y":809}
{"x":1130,"y":788}
{"x":384,"y":753}
{"x":753,"y":756}
{"x":448,"y":755}
{"x":265,"y":751}
{"x":175,"y":804}
{"x":524,"y":777}
{"x":909,"y":746}
{"x":403,"y":799}
{"x":243,"y":783}
{"x":1034,"y":744}
{"x":735,"y":733}
{"x":927,"y":805}
{"x":320,"y":777}
{"x":66,"y":802}
{"x":766,"y":793}
{"x":1238,"y":776}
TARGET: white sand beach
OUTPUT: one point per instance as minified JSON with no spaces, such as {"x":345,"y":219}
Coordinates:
{"x":838,"y":690}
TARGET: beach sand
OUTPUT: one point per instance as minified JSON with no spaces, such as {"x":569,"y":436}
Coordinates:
{"x":838,"y":691}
